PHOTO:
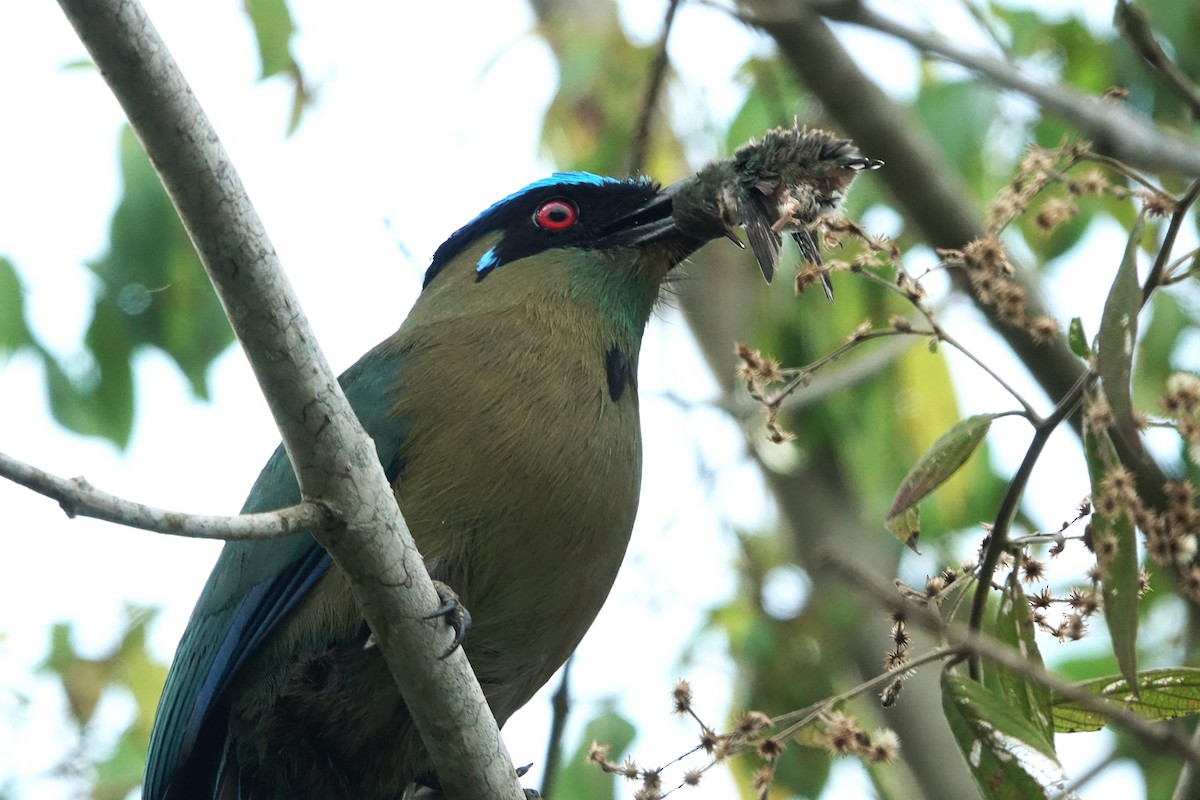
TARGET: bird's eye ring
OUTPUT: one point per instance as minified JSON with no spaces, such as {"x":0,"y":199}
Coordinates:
{"x":556,"y":215}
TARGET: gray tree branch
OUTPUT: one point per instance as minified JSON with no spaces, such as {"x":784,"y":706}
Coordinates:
{"x":1115,"y":129}
{"x":79,"y":498}
{"x":334,"y":459}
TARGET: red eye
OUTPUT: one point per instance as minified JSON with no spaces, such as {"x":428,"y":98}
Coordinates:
{"x":556,"y":215}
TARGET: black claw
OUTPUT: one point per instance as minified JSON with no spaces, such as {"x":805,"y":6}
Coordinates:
{"x":454,"y":613}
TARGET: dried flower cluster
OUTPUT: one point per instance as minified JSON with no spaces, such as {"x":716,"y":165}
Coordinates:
{"x":759,"y":372}
{"x":752,"y":732}
{"x":877,"y":251}
{"x":986,"y":264}
{"x":843,"y":736}
{"x":1181,"y":404}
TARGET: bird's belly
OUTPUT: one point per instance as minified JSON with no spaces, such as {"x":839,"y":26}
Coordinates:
{"x":530,"y":538}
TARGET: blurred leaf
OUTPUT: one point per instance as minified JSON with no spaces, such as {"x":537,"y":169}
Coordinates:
{"x":1014,"y":627}
{"x":1161,"y":694}
{"x":905,"y":525}
{"x":153,"y":292}
{"x":1001,"y":746}
{"x":1077,"y":339}
{"x":1120,"y":584}
{"x":772,"y":99}
{"x":273,"y":30}
{"x":779,"y":662}
{"x":958,"y":116}
{"x":121,"y":772}
{"x":99,"y":402}
{"x":126,"y":666}
{"x":83,"y":680}
{"x":581,"y":780}
{"x":602,"y":78}
{"x":941,"y":461}
{"x":14,"y":331}
{"x":1118,"y":333}
{"x":1169,"y":319}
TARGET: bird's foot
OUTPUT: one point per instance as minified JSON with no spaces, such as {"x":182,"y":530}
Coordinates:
{"x":453,"y":612}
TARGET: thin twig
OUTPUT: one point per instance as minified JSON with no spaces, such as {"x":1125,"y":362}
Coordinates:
{"x":1070,"y":792}
{"x":1154,"y":279}
{"x":639,"y":144}
{"x":998,"y":539}
{"x":797,"y":720}
{"x":1169,"y":277}
{"x":1134,"y":23}
{"x":1158,"y":737}
{"x":1123,"y":133}
{"x":940,"y":333}
{"x":1185,"y":786}
{"x":988,"y":27}
{"x":79,"y":498}
{"x":560,"y":705}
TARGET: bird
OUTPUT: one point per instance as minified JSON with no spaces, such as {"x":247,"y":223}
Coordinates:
{"x":504,"y":411}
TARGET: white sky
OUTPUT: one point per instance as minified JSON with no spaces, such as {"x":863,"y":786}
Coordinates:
{"x":426,"y":113}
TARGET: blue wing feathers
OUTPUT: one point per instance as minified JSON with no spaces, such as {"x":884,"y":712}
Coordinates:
{"x":253,"y":587}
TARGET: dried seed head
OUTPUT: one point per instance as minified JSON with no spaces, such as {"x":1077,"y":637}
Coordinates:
{"x":682,"y":696}
{"x":885,"y":744}
{"x":769,"y":748}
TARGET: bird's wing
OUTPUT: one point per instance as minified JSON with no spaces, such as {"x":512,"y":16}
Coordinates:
{"x":252,"y":587}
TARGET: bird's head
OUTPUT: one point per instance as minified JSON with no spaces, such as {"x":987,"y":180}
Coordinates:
{"x":599,"y":241}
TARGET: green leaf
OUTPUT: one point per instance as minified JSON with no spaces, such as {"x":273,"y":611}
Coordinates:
{"x":1077,"y":339}
{"x":1120,"y":584}
{"x":959,"y":115}
{"x":273,"y":30}
{"x":585,"y":780}
{"x":98,"y":400}
{"x":1014,"y":627}
{"x":1009,"y":756}
{"x":1118,"y":334}
{"x":155,"y":291}
{"x":1160,"y":694}
{"x":940,"y":461}
{"x":1169,"y":321}
{"x":772,"y":99}
{"x":14,"y":331}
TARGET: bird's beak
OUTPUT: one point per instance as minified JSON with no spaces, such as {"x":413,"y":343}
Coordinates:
{"x":649,"y":224}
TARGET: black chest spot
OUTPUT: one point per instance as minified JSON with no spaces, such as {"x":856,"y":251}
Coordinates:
{"x":619,"y":371}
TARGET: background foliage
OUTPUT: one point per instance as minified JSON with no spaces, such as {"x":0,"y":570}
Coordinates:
{"x":860,"y":425}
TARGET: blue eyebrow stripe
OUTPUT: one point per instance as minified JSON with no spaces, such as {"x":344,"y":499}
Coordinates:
{"x":557,"y":179}
{"x":487,"y":262}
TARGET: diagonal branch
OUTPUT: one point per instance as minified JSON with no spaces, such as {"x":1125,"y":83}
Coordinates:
{"x":639,"y":144}
{"x":334,"y":459}
{"x":1158,"y":737}
{"x":79,"y":498}
{"x":1115,"y":129}
{"x":1134,"y":23}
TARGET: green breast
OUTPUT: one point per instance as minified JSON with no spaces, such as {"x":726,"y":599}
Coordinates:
{"x":521,"y":471}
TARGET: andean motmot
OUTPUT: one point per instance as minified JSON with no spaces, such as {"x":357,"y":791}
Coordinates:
{"x":505,"y":413}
